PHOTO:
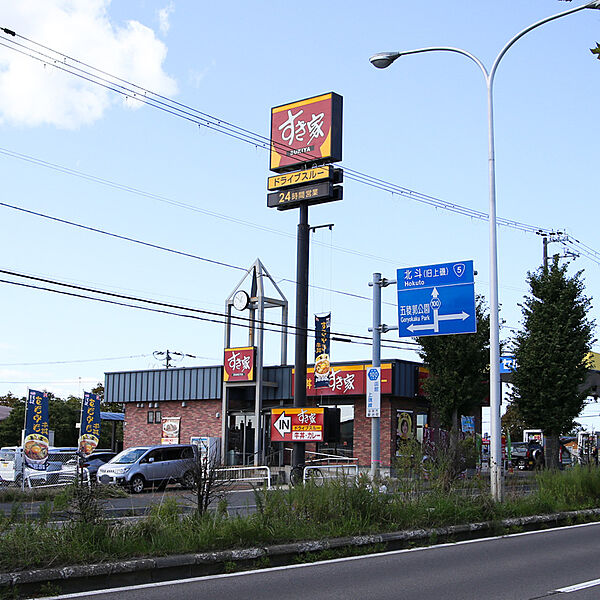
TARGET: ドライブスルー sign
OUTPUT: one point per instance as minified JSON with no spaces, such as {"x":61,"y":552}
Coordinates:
{"x":306,"y":132}
{"x":297,"y":424}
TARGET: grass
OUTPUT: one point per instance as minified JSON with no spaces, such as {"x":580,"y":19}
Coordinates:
{"x":334,"y":510}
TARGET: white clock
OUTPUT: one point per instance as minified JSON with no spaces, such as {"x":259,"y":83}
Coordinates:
{"x":241,"y":300}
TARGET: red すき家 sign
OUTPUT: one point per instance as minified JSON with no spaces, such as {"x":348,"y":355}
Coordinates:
{"x":239,"y":364}
{"x":306,"y":132}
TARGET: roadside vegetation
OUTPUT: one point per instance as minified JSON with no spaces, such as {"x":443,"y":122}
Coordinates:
{"x":337,"y":509}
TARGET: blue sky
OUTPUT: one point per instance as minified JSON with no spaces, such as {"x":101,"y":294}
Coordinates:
{"x":420,"y":124}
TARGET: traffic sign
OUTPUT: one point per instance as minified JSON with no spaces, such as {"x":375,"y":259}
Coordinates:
{"x":373,"y":391}
{"x":436,"y":299}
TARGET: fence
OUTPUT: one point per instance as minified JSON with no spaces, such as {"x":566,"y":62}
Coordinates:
{"x":321,"y":467}
{"x":256,"y":474}
{"x":60,"y":469}
{"x":319,"y":474}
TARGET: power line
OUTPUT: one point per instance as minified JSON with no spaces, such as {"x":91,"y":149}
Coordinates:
{"x":170,"y":201}
{"x":69,"y":362}
{"x":220,"y":318}
{"x":164,"y":248}
{"x":128,"y":89}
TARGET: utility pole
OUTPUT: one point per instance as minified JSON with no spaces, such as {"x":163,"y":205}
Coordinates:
{"x":170,"y":356}
{"x":549,"y":237}
{"x":377,"y":329}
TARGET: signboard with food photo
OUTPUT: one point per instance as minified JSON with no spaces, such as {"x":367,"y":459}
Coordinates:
{"x":322,"y":364}
{"x":89,"y":433}
{"x":35,"y":444}
{"x":170,"y":430}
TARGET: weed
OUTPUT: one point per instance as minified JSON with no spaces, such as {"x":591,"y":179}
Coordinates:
{"x":50,"y":589}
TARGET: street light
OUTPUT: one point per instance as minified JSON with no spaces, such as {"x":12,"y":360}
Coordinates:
{"x":384,"y":60}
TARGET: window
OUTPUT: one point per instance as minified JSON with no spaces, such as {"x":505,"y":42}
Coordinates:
{"x":157,"y":416}
{"x":188,"y":452}
{"x":150,"y":417}
{"x":154,"y":456}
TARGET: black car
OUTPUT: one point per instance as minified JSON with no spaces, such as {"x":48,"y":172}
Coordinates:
{"x":95,"y":460}
{"x":527,"y":455}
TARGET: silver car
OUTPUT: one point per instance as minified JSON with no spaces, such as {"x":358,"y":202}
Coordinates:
{"x":144,"y":466}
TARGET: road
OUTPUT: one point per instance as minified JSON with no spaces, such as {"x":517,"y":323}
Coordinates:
{"x":524,"y":566}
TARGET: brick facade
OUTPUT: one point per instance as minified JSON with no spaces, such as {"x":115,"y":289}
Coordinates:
{"x":362,"y":433}
{"x":198,"y":418}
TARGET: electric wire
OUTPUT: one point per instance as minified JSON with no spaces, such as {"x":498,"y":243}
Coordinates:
{"x":69,"y":362}
{"x":171,"y":201}
{"x":129,"y":89}
{"x":221,"y":318}
{"x":165,"y":248}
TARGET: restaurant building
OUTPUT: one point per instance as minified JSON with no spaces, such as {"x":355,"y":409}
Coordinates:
{"x":190,"y":400}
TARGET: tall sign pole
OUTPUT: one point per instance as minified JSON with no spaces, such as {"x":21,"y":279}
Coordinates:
{"x":301,"y":324}
{"x":375,"y":425}
{"x":305,"y":135}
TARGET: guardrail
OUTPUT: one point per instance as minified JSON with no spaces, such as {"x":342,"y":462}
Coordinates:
{"x":318,"y":474}
{"x":251,"y":474}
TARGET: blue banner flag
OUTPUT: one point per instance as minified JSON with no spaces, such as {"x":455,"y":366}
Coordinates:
{"x":322,"y":357}
{"x":35,"y":443}
{"x":89,"y":434}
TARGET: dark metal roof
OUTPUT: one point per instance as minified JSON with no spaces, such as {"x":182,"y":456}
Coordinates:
{"x":161,"y":385}
{"x":206,"y":383}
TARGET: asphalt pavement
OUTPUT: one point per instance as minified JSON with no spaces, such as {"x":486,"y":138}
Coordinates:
{"x":524,"y":566}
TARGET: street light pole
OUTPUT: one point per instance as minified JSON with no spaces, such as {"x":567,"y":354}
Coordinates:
{"x":385,"y":59}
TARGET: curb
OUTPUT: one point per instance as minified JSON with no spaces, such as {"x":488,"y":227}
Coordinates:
{"x":170,"y":567}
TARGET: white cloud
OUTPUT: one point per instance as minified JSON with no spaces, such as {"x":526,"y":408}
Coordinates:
{"x":163,"y":18}
{"x":33,"y":94}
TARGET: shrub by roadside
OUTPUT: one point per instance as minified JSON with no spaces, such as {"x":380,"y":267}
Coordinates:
{"x":338,"y":509}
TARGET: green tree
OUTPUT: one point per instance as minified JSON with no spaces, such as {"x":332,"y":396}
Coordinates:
{"x":513,"y":423}
{"x":63,"y":416}
{"x":458,"y":369}
{"x":458,"y":374}
{"x":10,"y":428}
{"x":551,"y":353}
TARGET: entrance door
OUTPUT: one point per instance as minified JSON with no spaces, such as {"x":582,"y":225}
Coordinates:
{"x":242,"y":429}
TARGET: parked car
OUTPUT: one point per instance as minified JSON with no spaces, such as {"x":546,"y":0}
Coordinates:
{"x":95,"y":460}
{"x":527,"y":455}
{"x":143,"y":466}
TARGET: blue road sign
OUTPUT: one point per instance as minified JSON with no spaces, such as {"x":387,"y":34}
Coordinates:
{"x":507,"y":364}
{"x":436,"y":299}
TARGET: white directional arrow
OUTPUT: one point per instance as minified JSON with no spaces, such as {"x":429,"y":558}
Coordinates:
{"x":283,"y":424}
{"x":436,"y":304}
{"x":460,"y":316}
